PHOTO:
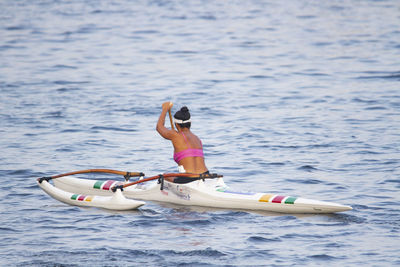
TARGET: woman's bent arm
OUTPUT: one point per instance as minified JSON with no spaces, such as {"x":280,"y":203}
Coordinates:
{"x":161,"y":129}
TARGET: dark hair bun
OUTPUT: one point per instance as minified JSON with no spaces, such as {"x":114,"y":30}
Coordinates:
{"x":182,"y":114}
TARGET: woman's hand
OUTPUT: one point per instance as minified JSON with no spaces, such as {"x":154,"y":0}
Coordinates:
{"x":167,"y":105}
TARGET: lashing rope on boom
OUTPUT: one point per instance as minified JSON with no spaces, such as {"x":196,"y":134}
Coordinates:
{"x":161,"y":181}
{"x":41,"y":179}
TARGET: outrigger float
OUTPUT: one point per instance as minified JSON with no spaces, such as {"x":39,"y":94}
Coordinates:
{"x":205,"y":190}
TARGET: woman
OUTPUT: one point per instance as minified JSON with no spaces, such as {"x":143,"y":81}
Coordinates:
{"x":188,"y":149}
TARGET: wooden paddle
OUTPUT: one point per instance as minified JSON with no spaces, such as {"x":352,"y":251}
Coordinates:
{"x":125,"y":174}
{"x":170,"y":119}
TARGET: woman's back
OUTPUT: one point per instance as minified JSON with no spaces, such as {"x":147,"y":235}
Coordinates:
{"x":188,"y":152}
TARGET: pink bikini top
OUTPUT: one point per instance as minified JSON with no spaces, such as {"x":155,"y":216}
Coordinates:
{"x":188,"y":152}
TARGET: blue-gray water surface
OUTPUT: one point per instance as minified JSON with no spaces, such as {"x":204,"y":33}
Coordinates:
{"x":293,"y":97}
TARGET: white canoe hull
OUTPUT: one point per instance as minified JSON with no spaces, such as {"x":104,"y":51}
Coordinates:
{"x":209,"y":193}
{"x":115,"y":201}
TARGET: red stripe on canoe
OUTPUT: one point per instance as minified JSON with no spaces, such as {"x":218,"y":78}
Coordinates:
{"x":108,"y":184}
{"x":278,"y":199}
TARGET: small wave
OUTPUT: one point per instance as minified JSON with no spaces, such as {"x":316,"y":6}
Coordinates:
{"x":323,"y":257}
{"x":260,"y":239}
{"x":146,"y":32}
{"x":208,"y":17}
{"x":60,"y":227}
{"x":7,"y":229}
{"x":58,"y":257}
{"x":71,"y":131}
{"x":367,"y":152}
{"x":67,"y":89}
{"x":103,"y":128}
{"x":320,"y":145}
{"x":360,"y":100}
{"x":305,"y":181}
{"x":307,"y":168}
{"x":334,"y":245}
{"x":285,"y":147}
{"x":260,"y":77}
{"x":208,"y":252}
{"x":272,"y":163}
{"x":8,"y":85}
{"x":259,"y":253}
{"x":61,"y":66}
{"x":21,"y":195}
{"x":376,"y":108}
{"x":381,"y":75}
{"x":183,"y":52}
{"x":21,"y":172}
{"x":311,"y":74}
{"x":346,"y":218}
{"x":53,"y":115}
{"x":364,"y":207}
{"x":396,"y":181}
{"x":15,"y":28}
{"x":62,"y":82}
{"x":6,"y":47}
{"x":198,"y":222}
{"x":306,"y":17}
{"x":320,"y":44}
{"x":65,"y":149}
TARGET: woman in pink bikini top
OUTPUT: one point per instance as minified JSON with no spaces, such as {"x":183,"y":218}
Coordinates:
{"x":188,"y":149}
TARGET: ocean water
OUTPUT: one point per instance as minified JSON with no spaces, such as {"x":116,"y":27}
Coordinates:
{"x":293,"y":97}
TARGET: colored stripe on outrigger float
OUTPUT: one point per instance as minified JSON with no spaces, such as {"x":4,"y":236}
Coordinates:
{"x":81,"y":197}
{"x":277,"y":199}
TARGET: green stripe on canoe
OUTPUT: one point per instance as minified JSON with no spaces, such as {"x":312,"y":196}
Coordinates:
{"x":74,"y":196}
{"x":290,"y":200}
{"x":98,"y":184}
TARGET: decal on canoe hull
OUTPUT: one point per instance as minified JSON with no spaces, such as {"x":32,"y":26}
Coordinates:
{"x":277,"y":199}
{"x":180,"y":191}
{"x":105,"y":185}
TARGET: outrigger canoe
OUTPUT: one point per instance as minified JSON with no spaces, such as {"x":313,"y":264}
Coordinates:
{"x":202,"y":192}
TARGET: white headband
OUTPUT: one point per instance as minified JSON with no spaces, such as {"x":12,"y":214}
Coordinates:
{"x":181,"y":121}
